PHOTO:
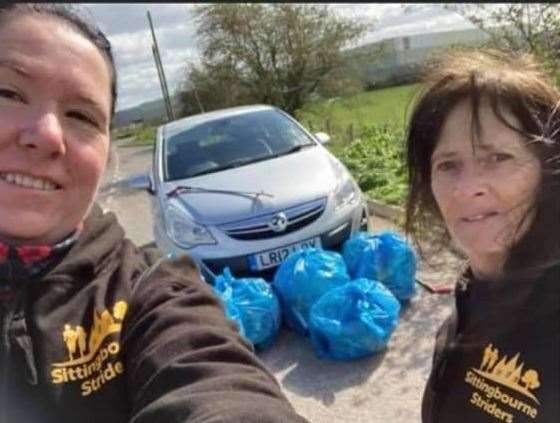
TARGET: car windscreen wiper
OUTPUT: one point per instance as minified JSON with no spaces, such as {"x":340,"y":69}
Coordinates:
{"x":294,"y":149}
{"x":185,"y":189}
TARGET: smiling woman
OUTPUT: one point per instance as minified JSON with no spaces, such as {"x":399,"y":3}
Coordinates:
{"x":54,"y":128}
{"x":91,"y":326}
{"x":483,"y":155}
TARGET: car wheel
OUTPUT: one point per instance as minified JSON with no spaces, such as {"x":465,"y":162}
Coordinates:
{"x":364,"y":222}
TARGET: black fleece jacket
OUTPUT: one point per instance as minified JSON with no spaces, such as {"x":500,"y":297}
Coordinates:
{"x":497,"y":358}
{"x":113,"y":334}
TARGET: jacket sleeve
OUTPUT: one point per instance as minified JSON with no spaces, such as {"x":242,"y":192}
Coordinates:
{"x":185,"y":361}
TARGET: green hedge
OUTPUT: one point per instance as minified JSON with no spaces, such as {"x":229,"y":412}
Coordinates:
{"x":376,"y":160}
{"x":143,"y":135}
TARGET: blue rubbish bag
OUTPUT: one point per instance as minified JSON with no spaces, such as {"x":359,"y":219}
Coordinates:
{"x":354,"y":320}
{"x":302,"y":279}
{"x":353,"y":250}
{"x":386,"y":257}
{"x":252,"y":303}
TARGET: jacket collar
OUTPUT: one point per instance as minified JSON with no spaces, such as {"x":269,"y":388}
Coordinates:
{"x":21,"y":263}
{"x":96,"y":245}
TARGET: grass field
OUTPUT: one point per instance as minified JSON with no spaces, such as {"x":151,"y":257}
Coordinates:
{"x":143,"y":135}
{"x":367,"y":131}
{"x":340,"y":116}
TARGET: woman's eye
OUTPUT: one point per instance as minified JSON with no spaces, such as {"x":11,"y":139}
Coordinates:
{"x":446,"y":166}
{"x":82,"y":117}
{"x":499,"y":157}
{"x":9,"y":94}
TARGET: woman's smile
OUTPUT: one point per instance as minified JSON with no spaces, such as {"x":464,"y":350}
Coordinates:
{"x":25,"y":180}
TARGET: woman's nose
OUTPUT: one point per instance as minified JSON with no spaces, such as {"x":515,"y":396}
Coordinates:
{"x":471,"y":182}
{"x":44,"y":135}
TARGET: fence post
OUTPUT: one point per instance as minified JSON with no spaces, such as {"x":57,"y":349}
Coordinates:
{"x":328,"y":126}
{"x":351,"y":132}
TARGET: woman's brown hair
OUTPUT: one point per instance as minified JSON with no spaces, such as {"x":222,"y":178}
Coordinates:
{"x":73,"y":16}
{"x":515,"y":83}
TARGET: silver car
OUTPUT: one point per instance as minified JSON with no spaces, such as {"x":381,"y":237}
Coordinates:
{"x":246,"y":186}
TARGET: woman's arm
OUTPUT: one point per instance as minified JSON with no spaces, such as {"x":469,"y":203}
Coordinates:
{"x":184,"y":360}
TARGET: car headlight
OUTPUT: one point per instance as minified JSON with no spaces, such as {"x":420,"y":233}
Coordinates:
{"x":185,"y":232}
{"x":346,"y":193}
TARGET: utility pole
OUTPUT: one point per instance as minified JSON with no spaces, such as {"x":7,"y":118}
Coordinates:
{"x":198,"y":99}
{"x":160,"y":77}
{"x":161,"y":73}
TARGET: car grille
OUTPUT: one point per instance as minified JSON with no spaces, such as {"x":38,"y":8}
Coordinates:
{"x":332,"y":240}
{"x":257,"y":228}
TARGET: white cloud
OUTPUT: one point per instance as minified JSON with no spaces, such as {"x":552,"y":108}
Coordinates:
{"x":126,"y":25}
{"x":120,"y":18}
{"x":414,"y":19}
{"x":364,"y":11}
{"x":130,"y":48}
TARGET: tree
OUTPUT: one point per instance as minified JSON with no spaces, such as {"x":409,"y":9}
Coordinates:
{"x":531,"y":379}
{"x":520,"y":27}
{"x":207,"y":89}
{"x":268,"y":53}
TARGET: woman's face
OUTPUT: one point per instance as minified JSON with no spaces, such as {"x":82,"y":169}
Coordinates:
{"x":483,"y":187}
{"x":55,"y":105}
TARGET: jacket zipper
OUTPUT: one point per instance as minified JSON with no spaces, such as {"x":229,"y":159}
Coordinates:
{"x":462,"y":284}
{"x":3,"y":367}
{"x":7,"y":311}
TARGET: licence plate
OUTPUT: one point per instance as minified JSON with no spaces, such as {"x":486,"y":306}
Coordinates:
{"x":271,"y":258}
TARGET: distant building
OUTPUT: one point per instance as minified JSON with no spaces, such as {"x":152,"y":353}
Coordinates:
{"x":399,"y":59}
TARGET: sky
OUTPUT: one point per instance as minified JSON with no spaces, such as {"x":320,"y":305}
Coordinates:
{"x":126,"y":26}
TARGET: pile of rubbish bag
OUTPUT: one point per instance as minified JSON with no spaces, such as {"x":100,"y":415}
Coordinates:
{"x":353,"y":320}
{"x":347,"y":304}
{"x":302,"y":279}
{"x":386,"y":257}
{"x":252,"y":304}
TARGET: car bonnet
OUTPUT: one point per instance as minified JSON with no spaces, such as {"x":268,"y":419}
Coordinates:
{"x":290,"y":180}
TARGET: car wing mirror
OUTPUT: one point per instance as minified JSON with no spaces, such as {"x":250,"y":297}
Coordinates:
{"x":142,"y":181}
{"x":322,"y":137}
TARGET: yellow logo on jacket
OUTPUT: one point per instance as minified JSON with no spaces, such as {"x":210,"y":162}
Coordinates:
{"x":495,"y":371}
{"x":91,"y":360}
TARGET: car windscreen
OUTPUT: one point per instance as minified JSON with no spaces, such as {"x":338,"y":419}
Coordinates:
{"x":232,"y":141}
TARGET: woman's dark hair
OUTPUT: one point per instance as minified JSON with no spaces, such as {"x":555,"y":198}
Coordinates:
{"x":70,"y":15}
{"x":508,"y":82}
